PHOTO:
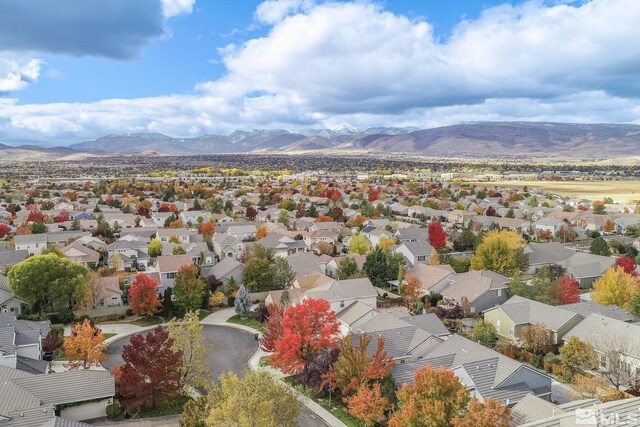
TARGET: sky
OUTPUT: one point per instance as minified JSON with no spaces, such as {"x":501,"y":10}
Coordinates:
{"x":75,"y":70}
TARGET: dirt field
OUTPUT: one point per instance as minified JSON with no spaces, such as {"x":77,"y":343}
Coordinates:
{"x":619,"y":191}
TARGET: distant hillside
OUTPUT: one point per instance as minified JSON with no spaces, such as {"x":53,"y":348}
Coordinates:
{"x":484,"y":139}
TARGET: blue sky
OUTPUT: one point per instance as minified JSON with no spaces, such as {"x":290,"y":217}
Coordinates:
{"x":192,"y":67}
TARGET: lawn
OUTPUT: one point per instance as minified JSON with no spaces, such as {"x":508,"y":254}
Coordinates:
{"x":248,"y":320}
{"x":264,"y":361}
{"x":336,"y":408}
{"x":107,"y":336}
{"x":170,"y":408}
{"x":148,"y":321}
{"x":203,"y":313}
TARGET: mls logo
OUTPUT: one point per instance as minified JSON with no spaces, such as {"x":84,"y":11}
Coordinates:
{"x":587,"y":416}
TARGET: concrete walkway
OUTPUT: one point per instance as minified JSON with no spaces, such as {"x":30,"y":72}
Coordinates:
{"x":221,"y":317}
{"x":169,"y":421}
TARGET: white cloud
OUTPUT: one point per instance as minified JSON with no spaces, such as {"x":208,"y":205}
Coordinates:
{"x":333,"y":63}
{"x":17,"y":71}
{"x":172,"y":8}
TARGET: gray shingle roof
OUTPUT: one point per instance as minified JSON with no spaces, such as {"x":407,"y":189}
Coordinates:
{"x":69,"y":387}
{"x":428,"y":322}
{"x":547,"y":253}
{"x":344,"y":289}
{"x":525,"y":311}
{"x":12,"y":257}
{"x":33,"y":366}
{"x":474,"y":284}
{"x":598,"y":330}
{"x":532,"y":408}
{"x":585,"y":308}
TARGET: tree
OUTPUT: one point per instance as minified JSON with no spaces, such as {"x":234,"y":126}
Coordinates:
{"x":599,"y":246}
{"x":578,"y":355}
{"x":4,"y":231}
{"x":207,"y":230}
{"x":566,"y":233}
{"x":283,"y":217}
{"x":347,"y":268}
{"x":151,"y":371}
{"x":368,"y":404}
{"x":355,"y":368}
{"x":188,"y":288}
{"x":258,"y":399}
{"x":376,"y":267}
{"x":485,"y":333}
{"x":62,"y":216}
{"x":412,"y":291}
{"x":84,"y":347}
{"x":195,"y":412}
{"x":273,"y":329}
{"x":359,"y":244}
{"x":282,"y":274}
{"x":608,"y":226}
{"x":242,"y":303}
{"x":38,"y":227}
{"x":614,"y":351}
{"x":155,"y":248}
{"x":500,"y":251}
{"x":143,"y":295}
{"x":628,"y":265}
{"x":490,"y":413}
{"x":251,"y":213}
{"x":35,"y":216}
{"x":437,"y":235}
{"x":569,"y":289}
{"x":434,"y":399}
{"x":434,"y":258}
{"x":258,"y":273}
{"x":615,"y":287}
{"x":308,"y":327}
{"x":188,"y":340}
{"x":262,"y":232}
{"x":535,"y":339}
{"x":385,"y":242}
{"x":48,"y":281}
{"x":178,"y":250}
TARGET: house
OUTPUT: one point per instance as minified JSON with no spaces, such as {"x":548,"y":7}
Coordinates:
{"x":225,"y":270}
{"x":34,"y":244}
{"x":517,"y":313}
{"x":33,"y":399}
{"x":81,"y":254}
{"x":587,"y":268}
{"x":342,"y":293}
{"x":9,"y":303}
{"x":282,"y":245}
{"x":585,"y":308}
{"x":130,"y":252}
{"x":21,"y":343}
{"x":227,"y":246}
{"x":552,"y":225}
{"x":168,"y":267}
{"x":434,"y":278}
{"x":481,"y":289}
{"x":414,"y":252}
{"x":9,"y":258}
{"x":334,"y":263}
{"x":110,"y":293}
{"x":485,"y":372}
{"x":182,"y":235}
{"x":460,"y":217}
{"x":412,"y":234}
{"x":546,"y":254}
{"x":239,"y":230}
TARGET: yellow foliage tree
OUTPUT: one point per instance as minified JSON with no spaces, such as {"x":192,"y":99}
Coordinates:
{"x":85,"y":346}
{"x":386,"y":242}
{"x":615,"y":287}
{"x":359,"y":244}
{"x":434,"y":258}
{"x":500,"y":251}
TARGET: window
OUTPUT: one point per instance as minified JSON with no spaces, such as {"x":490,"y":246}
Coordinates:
{"x":603,"y":361}
{"x":498,"y":325}
{"x":341,"y":303}
{"x":499,"y":292}
{"x":512,"y":330}
{"x":171,"y":275}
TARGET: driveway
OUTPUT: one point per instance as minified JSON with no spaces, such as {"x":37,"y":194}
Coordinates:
{"x":231,"y":352}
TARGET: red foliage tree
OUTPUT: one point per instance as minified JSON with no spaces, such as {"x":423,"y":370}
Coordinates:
{"x":4,"y":230}
{"x":628,"y":265}
{"x":437,"y":235}
{"x":273,"y":329}
{"x":251,"y":213}
{"x":308,"y":328}
{"x":143,"y":212}
{"x":143,"y":295}
{"x":62,"y":216}
{"x":151,"y":372}
{"x":168,"y":207}
{"x":35,"y":216}
{"x":206,"y":229}
{"x":569,"y":289}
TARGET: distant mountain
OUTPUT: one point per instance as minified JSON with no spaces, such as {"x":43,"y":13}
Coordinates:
{"x":483,"y":139}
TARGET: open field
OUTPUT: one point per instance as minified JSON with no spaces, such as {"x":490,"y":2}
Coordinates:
{"x":619,"y":191}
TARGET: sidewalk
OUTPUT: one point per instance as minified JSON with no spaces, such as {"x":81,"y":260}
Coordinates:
{"x":221,"y":317}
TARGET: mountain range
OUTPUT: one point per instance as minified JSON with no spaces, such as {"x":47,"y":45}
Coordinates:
{"x":481,"y":139}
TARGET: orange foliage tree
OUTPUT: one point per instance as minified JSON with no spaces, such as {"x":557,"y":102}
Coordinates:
{"x":608,"y":226}
{"x":412,"y":291}
{"x":143,"y":295}
{"x":491,"y":413}
{"x":262,"y":232}
{"x":323,"y":218}
{"x":368,"y":404}
{"x":207,"y":230}
{"x":85,"y":346}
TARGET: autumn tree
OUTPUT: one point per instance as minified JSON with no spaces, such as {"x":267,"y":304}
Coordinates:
{"x":434,"y":399}
{"x":261,"y":232}
{"x":434,"y":258}
{"x":437,"y":235}
{"x":155,"y":248}
{"x":578,"y":355}
{"x":273,"y":329}
{"x":608,"y":226}
{"x":535,"y":339}
{"x":188,"y":288}
{"x":615,"y":287}
{"x":48,"y":282}
{"x":489,"y":413}
{"x":207,"y":230}
{"x":35,"y":216}
{"x":359,"y":244}
{"x":385,"y":242}
{"x":368,"y":404}
{"x":251,"y":213}
{"x":569,"y":289}
{"x":143,"y":295}
{"x":355,"y":367}
{"x":151,"y":372}
{"x":500,"y":251}
{"x":257,"y":399}
{"x":84,"y":347}
{"x":347,"y":268}
{"x":62,"y":216}
{"x":412,"y":291}
{"x":188,"y":340}
{"x":628,"y":264}
{"x":4,"y":231}
{"x":195,"y":412}
{"x":308,"y":327}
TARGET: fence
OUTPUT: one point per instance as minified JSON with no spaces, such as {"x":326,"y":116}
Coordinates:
{"x":388,"y":303}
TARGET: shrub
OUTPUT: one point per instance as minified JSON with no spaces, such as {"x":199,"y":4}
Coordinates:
{"x":114,"y":411}
{"x":64,"y":316}
{"x":231,"y":301}
{"x":129,"y":312}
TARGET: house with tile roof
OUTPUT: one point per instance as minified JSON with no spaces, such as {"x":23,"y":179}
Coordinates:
{"x":481,"y":289}
{"x":9,"y":303}
{"x":342,"y":293}
{"x":21,"y":343}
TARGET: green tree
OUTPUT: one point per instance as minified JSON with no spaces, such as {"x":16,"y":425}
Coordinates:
{"x":258,"y":399}
{"x":599,"y":246}
{"x":258,"y":275}
{"x":283,"y":217}
{"x":376,"y":267}
{"x":155,"y":248}
{"x":188,"y":288}
{"x":359,"y":244}
{"x":347,"y":267}
{"x":188,"y":338}
{"x":48,"y":282}
{"x":178,"y":250}
{"x":282,"y":273}
{"x":485,"y":333}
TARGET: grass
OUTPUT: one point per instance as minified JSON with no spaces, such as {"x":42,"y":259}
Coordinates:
{"x":170,"y":408}
{"x":248,"y":320}
{"x":148,"y":321}
{"x":203,"y":313}
{"x":107,"y":336}
{"x":336,"y":408}
{"x":264,"y":361}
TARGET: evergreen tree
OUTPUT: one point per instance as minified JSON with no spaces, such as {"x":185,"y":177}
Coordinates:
{"x":243,"y":301}
{"x":375,"y":267}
